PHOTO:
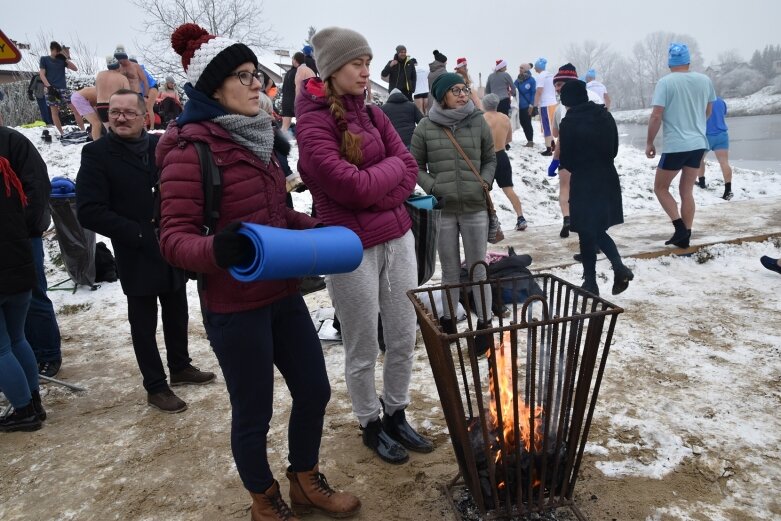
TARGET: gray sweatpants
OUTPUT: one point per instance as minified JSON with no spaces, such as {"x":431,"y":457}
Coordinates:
{"x":473,"y":229}
{"x":379,"y":285}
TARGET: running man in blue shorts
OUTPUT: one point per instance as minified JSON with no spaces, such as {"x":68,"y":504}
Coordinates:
{"x":682,"y":103}
{"x":718,"y":141}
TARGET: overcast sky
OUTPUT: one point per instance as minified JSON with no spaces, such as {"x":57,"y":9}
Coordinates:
{"x":483,"y":31}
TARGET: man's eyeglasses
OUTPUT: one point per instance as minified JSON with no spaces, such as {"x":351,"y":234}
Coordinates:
{"x":245,"y":77}
{"x":456,"y":91}
{"x":129,"y":114}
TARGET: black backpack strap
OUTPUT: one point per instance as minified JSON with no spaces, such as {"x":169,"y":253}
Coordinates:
{"x":212,"y":187}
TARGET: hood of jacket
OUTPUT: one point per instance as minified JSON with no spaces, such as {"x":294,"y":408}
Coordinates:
{"x":435,"y":66}
{"x":397,"y":97}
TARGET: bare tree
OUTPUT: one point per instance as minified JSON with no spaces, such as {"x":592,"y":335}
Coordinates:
{"x":729,"y":58}
{"x":239,"y":20}
{"x":587,"y":55}
{"x":309,"y":34}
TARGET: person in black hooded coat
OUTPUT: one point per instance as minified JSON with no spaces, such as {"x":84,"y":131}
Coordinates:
{"x":589,"y":144}
{"x":403,"y":114}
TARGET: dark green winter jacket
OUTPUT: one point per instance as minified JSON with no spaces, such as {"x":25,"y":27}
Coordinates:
{"x":444,"y":173}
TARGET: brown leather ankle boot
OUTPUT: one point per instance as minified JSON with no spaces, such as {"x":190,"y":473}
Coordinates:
{"x":269,"y":506}
{"x":310,"y":491}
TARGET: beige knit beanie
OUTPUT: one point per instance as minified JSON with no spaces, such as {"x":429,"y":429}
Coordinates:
{"x":335,"y":46}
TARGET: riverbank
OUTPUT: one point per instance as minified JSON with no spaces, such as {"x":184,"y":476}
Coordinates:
{"x":760,"y":103}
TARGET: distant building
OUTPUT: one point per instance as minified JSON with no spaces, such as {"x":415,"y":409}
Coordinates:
{"x":24,"y":70}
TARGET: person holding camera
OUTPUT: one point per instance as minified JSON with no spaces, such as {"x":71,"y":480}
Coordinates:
{"x":52,"y":73}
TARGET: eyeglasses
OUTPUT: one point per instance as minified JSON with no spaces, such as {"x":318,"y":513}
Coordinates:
{"x":245,"y":77}
{"x":456,"y":91}
{"x":129,"y":114}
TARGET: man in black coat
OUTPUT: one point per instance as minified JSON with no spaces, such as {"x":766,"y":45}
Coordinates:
{"x":400,"y":72}
{"x":41,"y":328}
{"x":114,"y":197}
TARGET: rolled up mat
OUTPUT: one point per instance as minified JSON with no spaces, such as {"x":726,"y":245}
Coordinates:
{"x":285,"y":254}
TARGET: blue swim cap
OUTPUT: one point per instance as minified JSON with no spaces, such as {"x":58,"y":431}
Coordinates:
{"x":541,"y":63}
{"x":678,"y":54}
{"x":591,"y":73}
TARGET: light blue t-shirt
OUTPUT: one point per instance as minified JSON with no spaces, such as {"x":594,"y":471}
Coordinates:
{"x":685,"y":97}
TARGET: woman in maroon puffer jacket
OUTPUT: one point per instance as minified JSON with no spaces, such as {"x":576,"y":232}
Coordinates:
{"x":252,"y":326}
{"x":360,"y":173}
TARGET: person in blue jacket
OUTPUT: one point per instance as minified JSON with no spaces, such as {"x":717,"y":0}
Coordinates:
{"x":526,"y":87}
{"x":718,"y":140}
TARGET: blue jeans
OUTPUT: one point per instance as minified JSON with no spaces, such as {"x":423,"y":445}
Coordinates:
{"x":248,"y":345}
{"x":18,"y":370}
{"x":41,"y":327}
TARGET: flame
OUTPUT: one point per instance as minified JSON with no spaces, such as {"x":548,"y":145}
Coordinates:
{"x":529,"y":435}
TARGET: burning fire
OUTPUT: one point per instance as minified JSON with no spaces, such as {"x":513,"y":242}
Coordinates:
{"x":511,"y":417}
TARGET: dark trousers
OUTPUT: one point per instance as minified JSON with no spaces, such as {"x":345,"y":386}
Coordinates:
{"x":40,"y":327}
{"x":248,"y":345}
{"x":589,"y":240}
{"x":142,"y":315}
{"x":46,"y":113}
{"x":504,"y":106}
{"x":526,"y":123}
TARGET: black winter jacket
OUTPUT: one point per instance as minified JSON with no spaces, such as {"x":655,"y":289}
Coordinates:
{"x":114,"y":198}
{"x":403,"y":114}
{"x":589,"y":143}
{"x":401,"y":76}
{"x":17,"y":271}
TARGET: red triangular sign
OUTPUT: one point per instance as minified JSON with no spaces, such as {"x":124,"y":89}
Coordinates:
{"x":8,"y":51}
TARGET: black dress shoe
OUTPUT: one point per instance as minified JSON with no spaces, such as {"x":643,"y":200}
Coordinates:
{"x":386,"y":447}
{"x":397,"y":428}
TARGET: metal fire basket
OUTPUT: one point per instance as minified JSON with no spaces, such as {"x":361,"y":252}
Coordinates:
{"x":519,"y":416}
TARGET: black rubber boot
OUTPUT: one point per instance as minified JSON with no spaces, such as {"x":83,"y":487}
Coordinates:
{"x":39,"y":410}
{"x":448,"y":325}
{"x":386,"y":447}
{"x":621,"y":277}
{"x":590,"y":283}
{"x":564,"y":233}
{"x":483,"y":342}
{"x":681,"y":236}
{"x":397,"y":428}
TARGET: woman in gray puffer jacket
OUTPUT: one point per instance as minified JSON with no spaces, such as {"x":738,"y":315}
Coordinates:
{"x":442,"y":172}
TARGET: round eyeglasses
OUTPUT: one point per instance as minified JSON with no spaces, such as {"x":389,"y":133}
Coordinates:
{"x":246,"y":77}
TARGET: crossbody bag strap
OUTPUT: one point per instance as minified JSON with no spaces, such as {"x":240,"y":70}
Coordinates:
{"x":482,"y":182}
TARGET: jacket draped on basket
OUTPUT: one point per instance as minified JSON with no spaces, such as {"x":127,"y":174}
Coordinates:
{"x":589,"y":144}
{"x":369,"y":198}
{"x":252,"y":191}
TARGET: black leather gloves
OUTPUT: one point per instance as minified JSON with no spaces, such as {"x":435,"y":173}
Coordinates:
{"x":232,"y":248}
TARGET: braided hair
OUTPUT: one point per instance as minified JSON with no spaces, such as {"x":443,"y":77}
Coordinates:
{"x":350,"y":148}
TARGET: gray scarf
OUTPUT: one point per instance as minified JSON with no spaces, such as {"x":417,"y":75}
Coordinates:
{"x":253,"y":132}
{"x":450,"y":117}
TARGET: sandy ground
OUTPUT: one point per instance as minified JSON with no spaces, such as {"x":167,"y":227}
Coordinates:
{"x":104,"y":454}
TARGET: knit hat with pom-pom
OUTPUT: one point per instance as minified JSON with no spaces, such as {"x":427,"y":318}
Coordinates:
{"x":208,"y":59}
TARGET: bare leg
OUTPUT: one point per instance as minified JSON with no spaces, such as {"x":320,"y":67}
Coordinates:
{"x":685,"y":189}
{"x":513,"y":197}
{"x":56,"y":117}
{"x":662,"y":190}
{"x":726,"y":170}
{"x":701,"y":170}
{"x":77,"y":116}
{"x":564,"y":176}
{"x":151,"y":99}
{"x":286,"y":123}
{"x":96,"y":125}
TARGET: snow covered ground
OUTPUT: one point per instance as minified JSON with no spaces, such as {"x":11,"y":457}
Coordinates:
{"x":686,"y":427}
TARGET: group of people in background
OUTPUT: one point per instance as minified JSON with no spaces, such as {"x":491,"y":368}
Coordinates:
{"x":360,"y":163}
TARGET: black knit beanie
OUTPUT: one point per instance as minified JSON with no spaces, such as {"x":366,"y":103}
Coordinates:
{"x":441,"y":58}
